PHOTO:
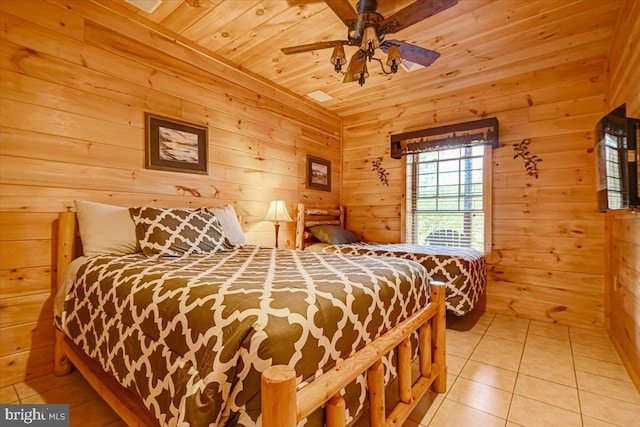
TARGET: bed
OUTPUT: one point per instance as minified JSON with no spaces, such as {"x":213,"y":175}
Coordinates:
{"x":463,"y":270}
{"x":245,"y":335}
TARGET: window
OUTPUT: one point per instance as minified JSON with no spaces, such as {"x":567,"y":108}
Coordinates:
{"x":615,"y":148}
{"x":446,"y":197}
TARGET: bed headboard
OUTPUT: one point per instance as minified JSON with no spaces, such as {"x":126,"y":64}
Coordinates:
{"x":308,"y":216}
{"x":70,"y":242}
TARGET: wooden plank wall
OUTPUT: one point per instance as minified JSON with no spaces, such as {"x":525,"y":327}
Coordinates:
{"x":75,"y":83}
{"x":547,"y":261}
{"x":622,"y":281}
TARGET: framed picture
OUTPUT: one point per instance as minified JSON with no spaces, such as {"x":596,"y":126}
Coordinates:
{"x":318,"y":173}
{"x":174,"y":145}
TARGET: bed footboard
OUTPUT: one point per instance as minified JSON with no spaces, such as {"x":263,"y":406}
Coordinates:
{"x":283,"y":407}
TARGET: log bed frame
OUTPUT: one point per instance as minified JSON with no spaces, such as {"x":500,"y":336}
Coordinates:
{"x":282,"y":405}
{"x":314,"y":215}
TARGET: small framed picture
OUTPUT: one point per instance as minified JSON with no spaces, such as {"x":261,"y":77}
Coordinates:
{"x":318,"y":173}
{"x":173,"y":145}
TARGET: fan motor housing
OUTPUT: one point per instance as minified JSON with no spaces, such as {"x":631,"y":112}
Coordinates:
{"x":366,"y":19}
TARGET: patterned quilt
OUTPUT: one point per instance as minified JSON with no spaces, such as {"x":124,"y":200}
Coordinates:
{"x":192,"y":334}
{"x":462,"y":269}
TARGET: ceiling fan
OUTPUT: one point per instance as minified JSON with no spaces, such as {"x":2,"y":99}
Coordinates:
{"x":367,"y":29}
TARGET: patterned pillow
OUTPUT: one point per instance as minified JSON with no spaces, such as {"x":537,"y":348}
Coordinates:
{"x":175,"y":232}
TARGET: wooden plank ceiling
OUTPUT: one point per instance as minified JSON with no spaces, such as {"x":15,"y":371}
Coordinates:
{"x":480,"y":41}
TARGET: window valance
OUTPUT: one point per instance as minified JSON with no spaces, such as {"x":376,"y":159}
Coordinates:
{"x":477,"y":132}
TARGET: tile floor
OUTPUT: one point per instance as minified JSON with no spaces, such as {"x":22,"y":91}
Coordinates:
{"x":502,"y":371}
{"x":506,"y":371}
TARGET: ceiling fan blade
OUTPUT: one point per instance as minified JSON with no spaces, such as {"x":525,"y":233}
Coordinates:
{"x":415,"y":12}
{"x":344,"y":10}
{"x":312,"y":46}
{"x":413,"y":53}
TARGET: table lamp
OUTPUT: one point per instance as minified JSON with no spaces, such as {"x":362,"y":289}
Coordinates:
{"x":277,"y":212}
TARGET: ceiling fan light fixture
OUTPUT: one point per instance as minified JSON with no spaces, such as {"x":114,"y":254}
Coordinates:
{"x":362,"y":74}
{"x":394,"y":58}
{"x":357,"y":70}
{"x":367,"y":30}
{"x":338,"y":58}
{"x":370,"y":41}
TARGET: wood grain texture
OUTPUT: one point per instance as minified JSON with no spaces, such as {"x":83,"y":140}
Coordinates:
{"x":76,"y":81}
{"x":547,"y":235}
{"x":622,"y":279}
{"x":78,"y":75}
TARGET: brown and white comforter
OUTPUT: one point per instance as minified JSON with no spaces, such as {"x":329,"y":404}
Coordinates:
{"x":192,"y":334}
{"x":463,"y":270}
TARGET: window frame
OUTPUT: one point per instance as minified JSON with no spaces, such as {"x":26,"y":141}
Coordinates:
{"x":487,"y":199}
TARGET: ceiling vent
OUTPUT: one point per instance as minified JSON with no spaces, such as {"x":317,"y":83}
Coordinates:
{"x":320,"y":96}
{"x":147,"y":5}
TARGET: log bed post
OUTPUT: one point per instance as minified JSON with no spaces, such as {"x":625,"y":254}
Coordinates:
{"x":66,"y":251}
{"x":278,"y":396}
{"x":438,"y":336}
{"x":300,"y":227}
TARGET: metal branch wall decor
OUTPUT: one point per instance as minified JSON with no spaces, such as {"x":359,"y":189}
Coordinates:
{"x":530,"y":160}
{"x":382,"y":172}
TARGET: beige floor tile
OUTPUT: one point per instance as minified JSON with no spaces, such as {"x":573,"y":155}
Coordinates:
{"x":596,"y":331}
{"x":493,"y":376}
{"x":461,"y":344}
{"x":8,"y":395}
{"x":480,"y":396}
{"x":592,"y":422}
{"x":549,"y":330}
{"x":507,"y":332}
{"x":545,"y":391}
{"x":426,"y":408}
{"x":541,"y":365}
{"x":451,"y":380}
{"x":455,"y":364}
{"x":510,"y":321}
{"x":599,"y":367}
{"x":532,"y":413}
{"x":453,"y":414}
{"x":498,"y":352}
{"x":588,"y":339}
{"x":475,"y":321}
{"x":616,"y":389}
{"x":558,"y":349}
{"x":604,"y":353}
{"x":45,"y":383}
{"x":610,"y":410}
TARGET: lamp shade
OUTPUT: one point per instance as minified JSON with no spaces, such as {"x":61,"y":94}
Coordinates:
{"x":338,"y":55}
{"x":394,"y":58}
{"x":277,"y":212}
{"x":370,"y":41}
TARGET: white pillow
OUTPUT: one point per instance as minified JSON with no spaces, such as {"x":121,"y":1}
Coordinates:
{"x":231,"y":228}
{"x":105,"y":229}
